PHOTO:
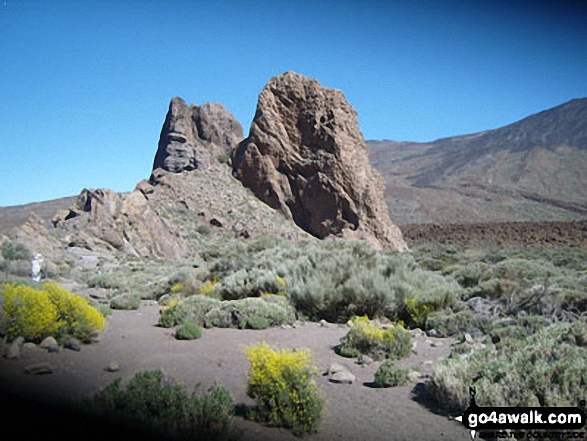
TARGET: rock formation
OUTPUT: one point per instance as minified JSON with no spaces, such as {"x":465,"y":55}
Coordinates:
{"x":104,"y":219}
{"x":193,"y":136}
{"x":305,"y":156}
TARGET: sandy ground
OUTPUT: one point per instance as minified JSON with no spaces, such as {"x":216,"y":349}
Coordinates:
{"x":135,"y":342}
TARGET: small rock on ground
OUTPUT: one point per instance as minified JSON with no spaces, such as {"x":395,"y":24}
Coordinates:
{"x":364,"y":360}
{"x":73,"y":344}
{"x":13,"y":351}
{"x":335,"y":367}
{"x":48,"y":342}
{"x":39,"y":369}
{"x":414,"y":377}
{"x":112,"y":366}
{"x":342,"y":378}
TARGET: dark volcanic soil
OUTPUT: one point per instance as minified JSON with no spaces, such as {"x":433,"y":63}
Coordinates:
{"x":498,"y":234}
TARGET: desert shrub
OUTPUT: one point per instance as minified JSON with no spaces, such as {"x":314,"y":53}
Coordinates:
{"x":546,"y":368}
{"x":188,"y":331}
{"x":335,"y":283}
{"x":75,"y":315}
{"x":281,"y":383}
{"x":204,"y":230}
{"x":157,"y":403}
{"x":266,"y":241}
{"x":105,"y":310}
{"x":418,"y":293}
{"x":251,"y":313}
{"x":184,"y":282}
{"x":250,"y":283}
{"x":17,"y":268}
{"x":125,"y":301}
{"x":50,"y":311}
{"x":517,"y":328}
{"x":490,"y":289}
{"x":518,"y":269}
{"x":576,"y":334}
{"x":12,"y":250}
{"x":436,"y":258}
{"x":370,"y":338}
{"x":106,"y":281}
{"x":332,"y":280}
{"x":259,"y":313}
{"x":209,"y":288}
{"x":218,"y":318}
{"x":192,"y":308}
{"x":471,"y":274}
{"x":449,"y":323}
{"x":223,"y":158}
{"x":390,"y":375}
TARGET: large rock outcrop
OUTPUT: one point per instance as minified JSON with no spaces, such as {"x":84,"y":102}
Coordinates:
{"x":305,"y":156}
{"x":102,"y":219}
{"x":193,"y":136}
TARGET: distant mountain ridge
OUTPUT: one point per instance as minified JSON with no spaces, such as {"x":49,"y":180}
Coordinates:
{"x":533,"y":169}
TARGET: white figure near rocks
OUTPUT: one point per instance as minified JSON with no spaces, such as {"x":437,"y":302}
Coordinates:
{"x":37,"y":267}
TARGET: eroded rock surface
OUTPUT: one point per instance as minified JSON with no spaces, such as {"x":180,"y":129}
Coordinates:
{"x":306,"y":157}
{"x":104,"y":219}
{"x":193,"y":136}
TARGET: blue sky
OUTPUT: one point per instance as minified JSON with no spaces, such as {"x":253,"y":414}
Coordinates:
{"x":85,"y":85}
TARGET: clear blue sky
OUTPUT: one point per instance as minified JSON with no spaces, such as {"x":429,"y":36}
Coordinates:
{"x":85,"y":85}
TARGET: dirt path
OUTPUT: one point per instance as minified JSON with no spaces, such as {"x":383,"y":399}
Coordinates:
{"x":132,"y":339}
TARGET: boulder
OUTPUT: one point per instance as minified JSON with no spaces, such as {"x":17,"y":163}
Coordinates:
{"x":73,"y":344}
{"x":13,"y":351}
{"x":113,"y":366}
{"x":342,"y":378}
{"x":306,"y":157}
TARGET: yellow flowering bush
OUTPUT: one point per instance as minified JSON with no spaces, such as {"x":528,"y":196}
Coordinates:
{"x":75,"y":315}
{"x":281,"y":382}
{"x":417,"y":312}
{"x":370,"y":338}
{"x":28,"y":312}
{"x":50,"y":311}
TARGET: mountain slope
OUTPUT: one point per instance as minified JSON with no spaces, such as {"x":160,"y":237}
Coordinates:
{"x":533,"y":169}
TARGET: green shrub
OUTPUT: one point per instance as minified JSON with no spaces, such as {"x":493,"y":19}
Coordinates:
{"x":252,"y":313}
{"x":50,"y":311}
{"x":218,"y":318}
{"x":159,"y":404}
{"x":281,"y":383}
{"x":204,"y":230}
{"x":546,"y":368}
{"x":223,"y":158}
{"x":250,"y":283}
{"x":449,"y":323}
{"x":470,"y":275}
{"x":125,"y":301}
{"x":12,"y":250}
{"x":390,"y":375}
{"x":106,"y":281}
{"x":369,"y":338}
{"x":192,"y":308}
{"x":188,"y":331}
{"x":259,"y":313}
{"x":18,"y":268}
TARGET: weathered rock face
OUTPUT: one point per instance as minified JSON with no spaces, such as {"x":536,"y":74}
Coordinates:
{"x":305,"y":156}
{"x":192,"y":136}
{"x":104,"y":219}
